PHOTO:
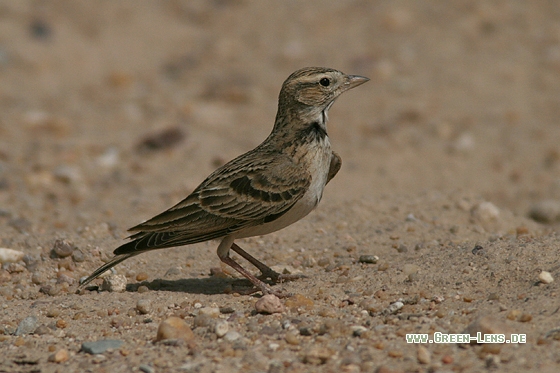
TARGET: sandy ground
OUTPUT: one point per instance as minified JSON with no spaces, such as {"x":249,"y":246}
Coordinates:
{"x":445,"y":151}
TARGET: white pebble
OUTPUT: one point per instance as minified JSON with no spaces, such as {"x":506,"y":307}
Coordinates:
{"x":232,"y":336}
{"x":209,"y":311}
{"x":486,"y":212}
{"x":114,"y":283}
{"x":545,"y":277}
{"x":10,"y":256}
{"x":221,"y":328}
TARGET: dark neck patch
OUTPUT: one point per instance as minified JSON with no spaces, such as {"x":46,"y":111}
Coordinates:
{"x":317,"y":131}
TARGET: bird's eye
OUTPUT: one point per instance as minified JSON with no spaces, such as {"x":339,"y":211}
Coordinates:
{"x":325,"y":82}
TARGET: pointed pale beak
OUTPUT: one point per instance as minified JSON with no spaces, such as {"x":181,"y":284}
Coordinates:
{"x":354,"y":81}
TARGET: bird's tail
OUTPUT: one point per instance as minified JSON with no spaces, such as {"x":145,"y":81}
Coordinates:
{"x":105,"y":267}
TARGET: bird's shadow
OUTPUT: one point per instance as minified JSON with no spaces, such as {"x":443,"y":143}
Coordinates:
{"x":207,"y":286}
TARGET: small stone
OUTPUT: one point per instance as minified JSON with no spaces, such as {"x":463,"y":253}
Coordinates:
{"x":5,"y":276}
{"x":26,"y":326}
{"x":232,"y":336}
{"x":164,"y":139}
{"x":146,"y":368}
{"x":53,"y":312}
{"x":114,"y":283}
{"x":487,"y":325}
{"x":447,"y":359}
{"x":370,"y":305}
{"x":393,"y":308}
{"x":513,"y":314}
{"x":526,"y":317}
{"x":15,"y":268}
{"x":299,"y":301}
{"x":291,"y":337}
{"x":368,"y":259}
{"x":486,"y":212}
{"x":38,"y":278}
{"x":423,"y":355}
{"x":221,"y":328}
{"x":174,"y":328}
{"x":99,"y":347}
{"x":143,"y":289}
{"x":358,"y":330}
{"x":10,"y":256}
{"x":42,"y":330}
{"x":173,"y":271}
{"x":317,"y":355}
{"x":144,"y":306}
{"x":547,"y":211}
{"x":78,"y":256}
{"x":212,"y":312}
{"x":62,"y":248}
{"x":60,"y":356}
{"x":545,"y":277}
{"x":270,"y":304}
{"x":142,"y":276}
{"x":395,"y":353}
{"x":409,"y":269}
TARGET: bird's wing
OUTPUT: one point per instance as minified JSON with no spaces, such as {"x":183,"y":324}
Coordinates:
{"x":247,"y":191}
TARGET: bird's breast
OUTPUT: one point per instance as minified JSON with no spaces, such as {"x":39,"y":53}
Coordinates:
{"x":315,"y":158}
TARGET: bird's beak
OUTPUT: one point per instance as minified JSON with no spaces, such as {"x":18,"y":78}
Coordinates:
{"x":354,"y":81}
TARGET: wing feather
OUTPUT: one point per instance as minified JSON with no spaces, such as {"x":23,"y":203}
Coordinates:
{"x":248,"y":191}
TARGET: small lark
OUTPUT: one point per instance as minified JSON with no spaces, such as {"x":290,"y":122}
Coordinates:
{"x":264,"y":190}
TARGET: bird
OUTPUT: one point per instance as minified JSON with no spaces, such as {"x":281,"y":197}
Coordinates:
{"x":261,"y":191}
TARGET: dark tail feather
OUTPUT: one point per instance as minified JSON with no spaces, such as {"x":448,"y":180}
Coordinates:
{"x":105,"y":267}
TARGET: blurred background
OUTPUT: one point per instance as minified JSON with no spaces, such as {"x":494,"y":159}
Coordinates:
{"x":112,"y":111}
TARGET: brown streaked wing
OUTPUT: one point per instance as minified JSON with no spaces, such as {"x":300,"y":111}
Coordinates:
{"x":247,"y":191}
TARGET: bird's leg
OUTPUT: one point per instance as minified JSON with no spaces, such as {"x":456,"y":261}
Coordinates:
{"x":266,"y":271}
{"x":223,"y":254}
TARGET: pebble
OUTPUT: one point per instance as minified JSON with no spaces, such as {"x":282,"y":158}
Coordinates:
{"x":209,"y":311}
{"x":487,"y":325}
{"x":409,"y":269}
{"x":545,"y":277}
{"x":10,"y":256}
{"x":26,"y":326}
{"x":423,"y":355}
{"x":174,"y":328}
{"x":114,"y":283}
{"x":300,"y":301}
{"x":291,"y":337}
{"x":143,"y":289}
{"x":68,"y":174}
{"x":60,"y":356}
{"x":146,"y":368}
{"x":164,"y":139}
{"x":393,"y":308}
{"x":42,"y":330}
{"x":368,"y":259}
{"x":15,"y":268}
{"x":547,"y":211}
{"x":142,"y":276}
{"x":269,"y":304}
{"x":232,"y":336}
{"x":144,"y":306}
{"x":38,"y":278}
{"x":221,"y":328}
{"x":78,"y":256}
{"x":99,"y":347}
{"x":62,"y":248}
{"x":317,"y":355}
{"x":486,"y":212}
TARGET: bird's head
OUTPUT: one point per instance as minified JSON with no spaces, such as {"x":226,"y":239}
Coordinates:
{"x":308,"y":93}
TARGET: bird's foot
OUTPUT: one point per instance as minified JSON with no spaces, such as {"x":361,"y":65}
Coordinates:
{"x":278,"y":277}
